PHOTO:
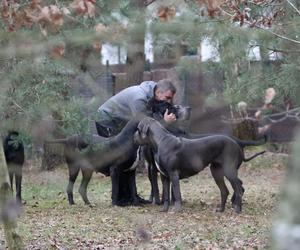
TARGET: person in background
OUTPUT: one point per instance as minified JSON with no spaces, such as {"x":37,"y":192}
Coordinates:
{"x":114,"y":114}
{"x":138,"y":99}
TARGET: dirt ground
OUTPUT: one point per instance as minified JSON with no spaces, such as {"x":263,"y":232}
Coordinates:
{"x":48,"y":222}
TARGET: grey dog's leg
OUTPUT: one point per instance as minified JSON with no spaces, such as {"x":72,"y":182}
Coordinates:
{"x":11,"y":175}
{"x":18,"y":177}
{"x":238,"y":193}
{"x":73,"y":173}
{"x":151,"y":197}
{"x":172,"y":196}
{"x":152,"y":175}
{"x":176,"y":191}
{"x":217,"y":173}
{"x":166,"y":193}
{"x":231,"y":173}
{"x":233,"y":201}
{"x":86,"y":177}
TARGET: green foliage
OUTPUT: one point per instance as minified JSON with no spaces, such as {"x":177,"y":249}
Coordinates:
{"x":36,"y":88}
{"x":36,"y":97}
{"x":184,"y":30}
{"x":243,"y":79}
{"x":247,"y":80}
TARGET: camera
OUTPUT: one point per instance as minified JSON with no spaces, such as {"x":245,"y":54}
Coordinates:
{"x":159,"y":108}
{"x":182,"y":113}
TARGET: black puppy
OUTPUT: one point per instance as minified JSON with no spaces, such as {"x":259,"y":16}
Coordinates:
{"x":112,"y":156}
{"x":177,"y":158}
{"x":14,"y":155}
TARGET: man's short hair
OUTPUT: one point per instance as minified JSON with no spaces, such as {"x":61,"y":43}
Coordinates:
{"x":165,"y":85}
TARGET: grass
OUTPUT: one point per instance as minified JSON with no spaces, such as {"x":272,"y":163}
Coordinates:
{"x":48,"y":222}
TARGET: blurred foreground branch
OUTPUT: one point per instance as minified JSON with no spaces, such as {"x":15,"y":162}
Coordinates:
{"x":13,"y":240}
{"x":286,"y":231}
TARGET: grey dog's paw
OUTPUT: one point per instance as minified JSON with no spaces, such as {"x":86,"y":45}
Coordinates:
{"x":164,"y":209}
{"x":177,"y":210}
{"x":220,"y":209}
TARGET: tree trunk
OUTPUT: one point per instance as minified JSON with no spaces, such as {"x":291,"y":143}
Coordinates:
{"x":8,"y":206}
{"x":135,"y":63}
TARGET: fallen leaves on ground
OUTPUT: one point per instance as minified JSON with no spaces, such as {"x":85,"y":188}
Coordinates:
{"x":48,"y":222}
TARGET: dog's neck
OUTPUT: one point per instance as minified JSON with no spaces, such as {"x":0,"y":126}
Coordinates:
{"x":126,"y":134}
{"x":156,"y":138}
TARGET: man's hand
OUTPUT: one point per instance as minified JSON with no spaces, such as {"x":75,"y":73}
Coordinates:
{"x":169,"y":117}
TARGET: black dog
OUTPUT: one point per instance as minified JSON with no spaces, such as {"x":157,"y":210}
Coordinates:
{"x":112,"y":156}
{"x":177,"y":158}
{"x":159,"y":108}
{"x":152,"y":169}
{"x":183,"y":113}
{"x":14,"y":155}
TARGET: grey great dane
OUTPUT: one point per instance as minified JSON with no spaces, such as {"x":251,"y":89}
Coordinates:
{"x":177,"y":158}
{"x":112,"y":157}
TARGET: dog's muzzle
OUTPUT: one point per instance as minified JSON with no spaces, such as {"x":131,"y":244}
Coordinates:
{"x":140,"y":139}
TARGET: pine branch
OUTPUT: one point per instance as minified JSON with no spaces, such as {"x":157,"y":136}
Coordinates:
{"x":275,"y":49}
{"x":17,"y":105}
{"x":293,"y":6}
{"x":148,"y":2}
{"x":284,"y":51}
{"x":75,"y":20}
{"x":278,"y":35}
{"x":227,"y":13}
{"x":270,"y":31}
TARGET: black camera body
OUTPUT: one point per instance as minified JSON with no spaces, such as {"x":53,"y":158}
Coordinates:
{"x":159,"y":108}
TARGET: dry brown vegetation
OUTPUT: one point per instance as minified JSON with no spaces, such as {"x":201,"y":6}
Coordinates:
{"x":48,"y":222}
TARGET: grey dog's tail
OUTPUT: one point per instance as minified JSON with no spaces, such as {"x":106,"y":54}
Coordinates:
{"x":253,"y":156}
{"x":245,"y":143}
